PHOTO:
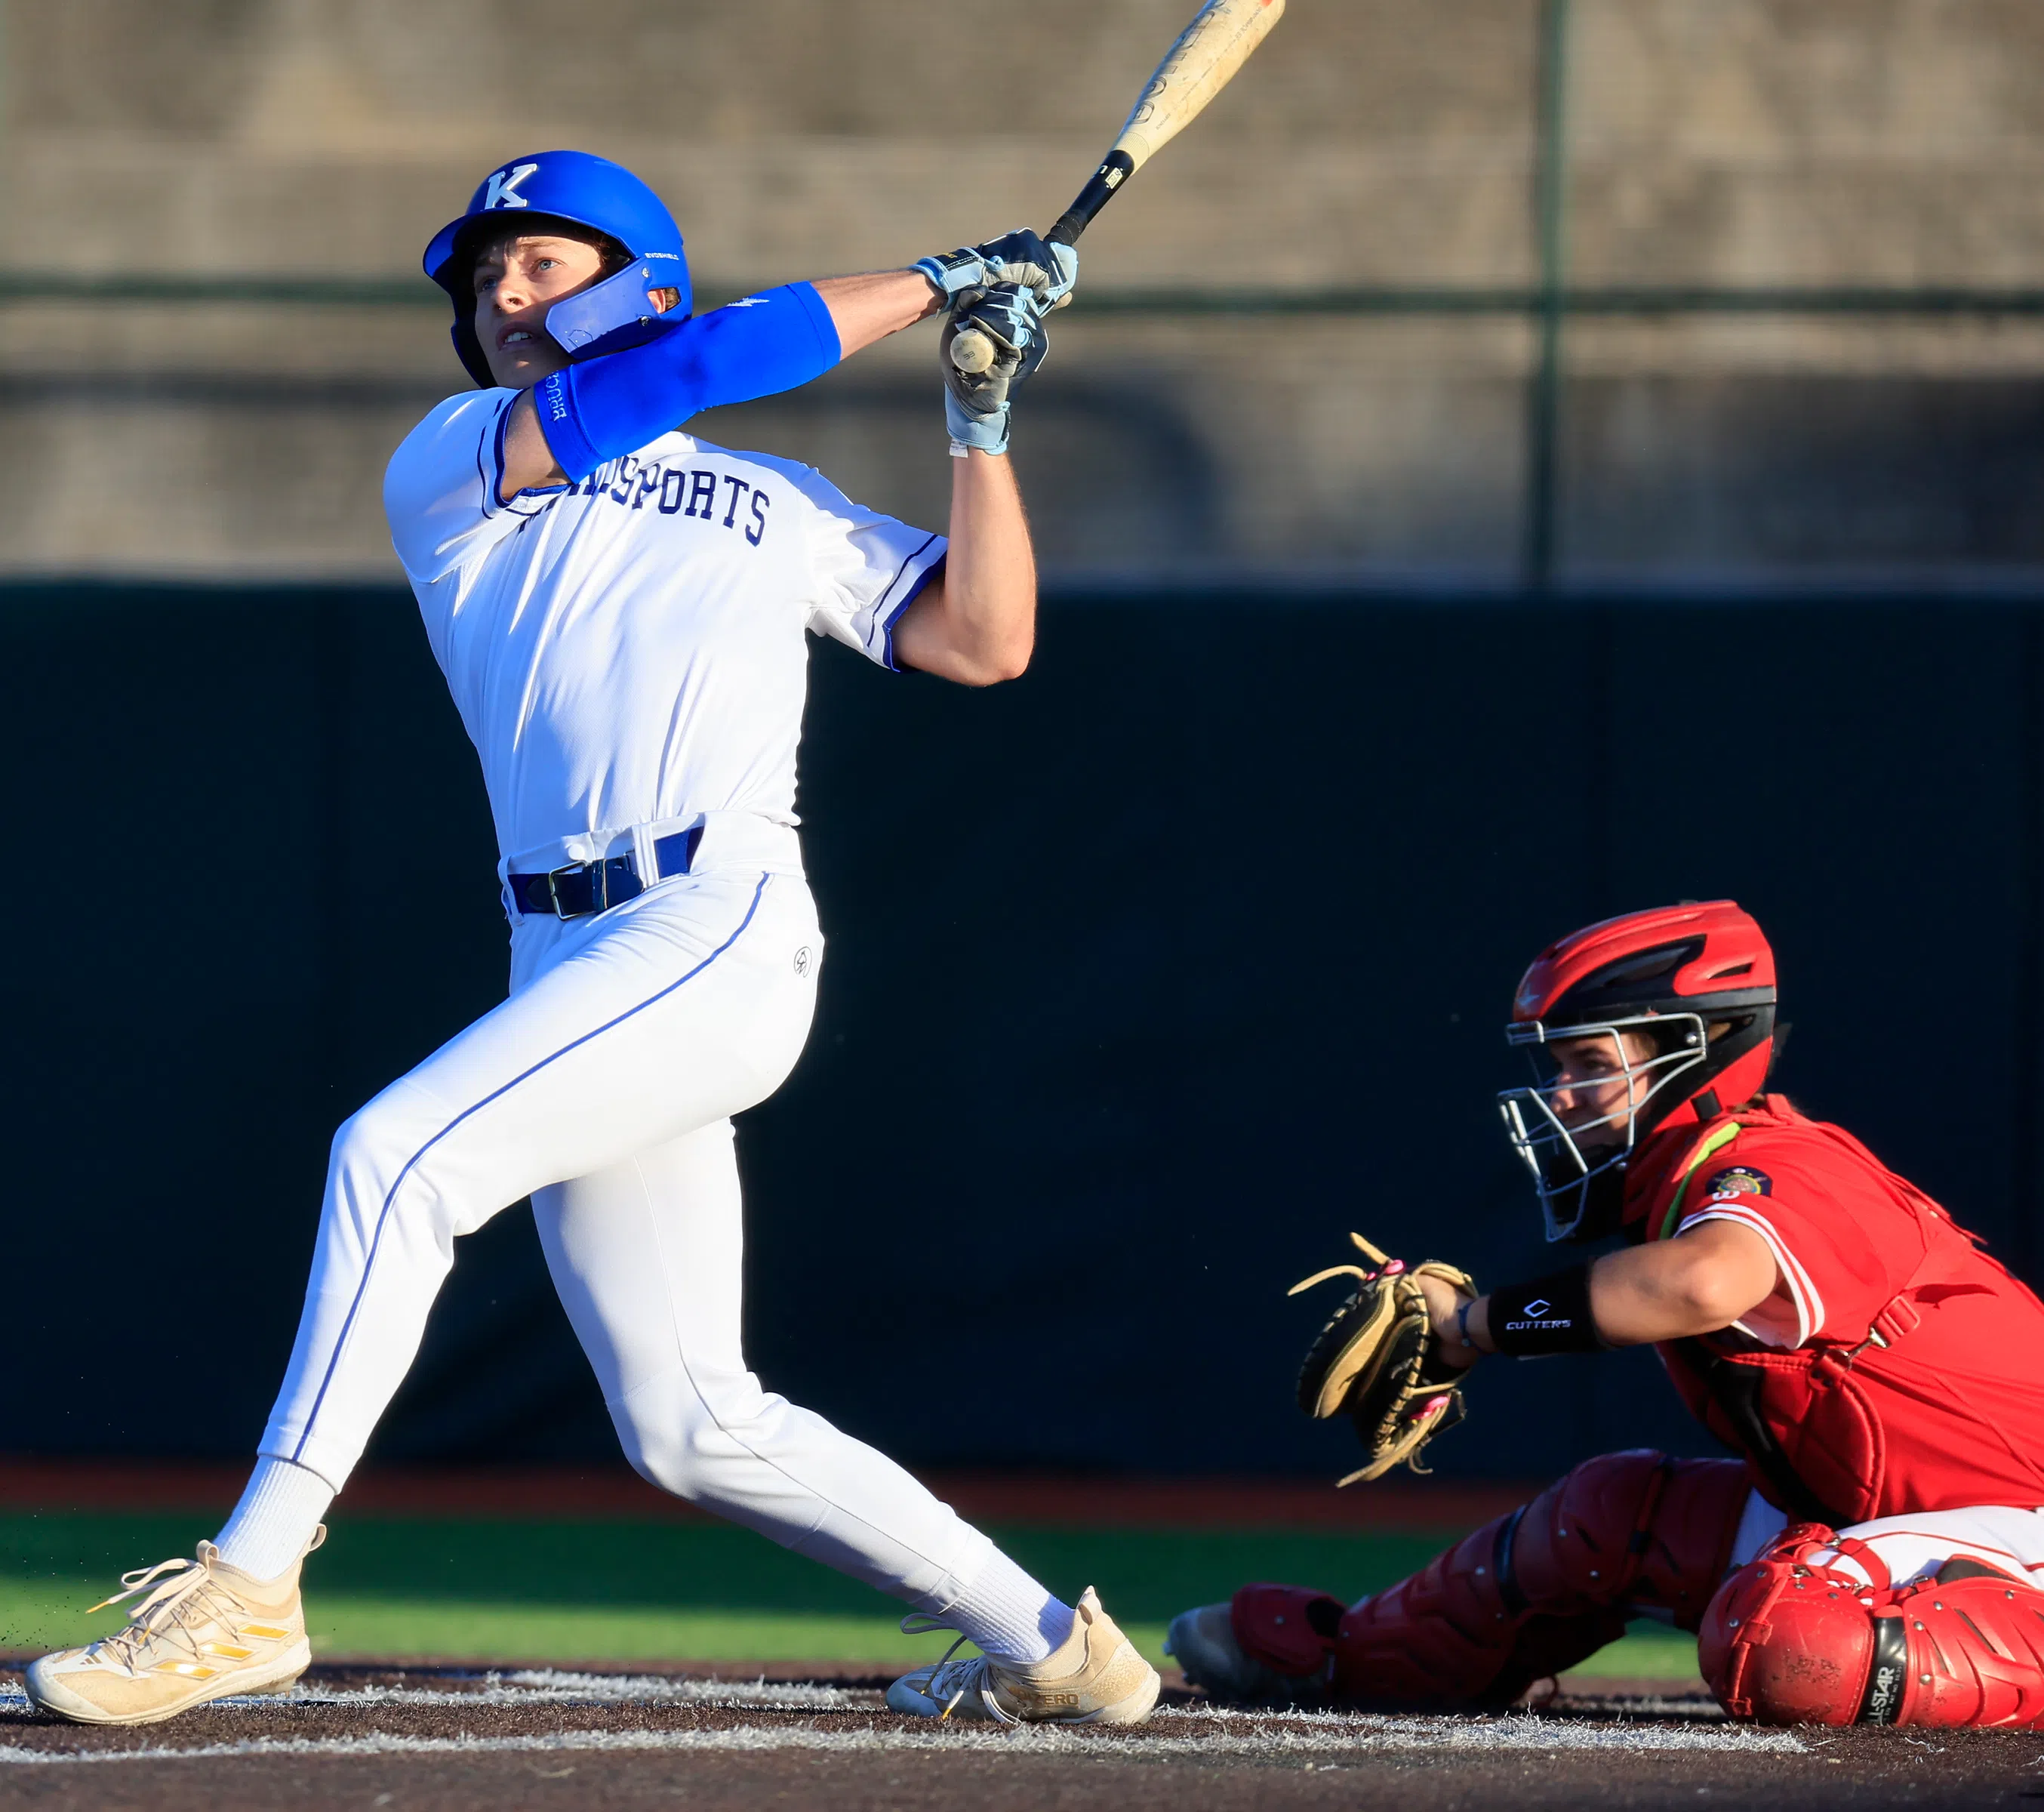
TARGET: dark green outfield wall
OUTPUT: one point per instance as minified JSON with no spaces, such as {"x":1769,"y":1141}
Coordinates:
{"x":1149,"y":976}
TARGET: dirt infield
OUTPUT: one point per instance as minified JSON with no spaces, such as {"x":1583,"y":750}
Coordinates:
{"x":447,"y":1738}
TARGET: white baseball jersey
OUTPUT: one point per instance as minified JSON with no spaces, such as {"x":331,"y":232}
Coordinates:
{"x":625,"y":651}
{"x":630,"y":649}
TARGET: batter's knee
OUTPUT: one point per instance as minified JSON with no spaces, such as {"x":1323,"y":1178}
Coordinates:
{"x":696,"y":1434}
{"x":353,"y":1140}
{"x":373,"y":1144}
{"x":360,"y":1173}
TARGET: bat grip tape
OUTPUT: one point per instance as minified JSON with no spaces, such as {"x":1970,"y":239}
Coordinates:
{"x":1109,"y":177}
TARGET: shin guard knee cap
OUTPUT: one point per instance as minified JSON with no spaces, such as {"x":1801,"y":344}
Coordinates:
{"x":1785,"y":1642}
{"x":1635,"y":1528}
{"x":1792,"y":1640}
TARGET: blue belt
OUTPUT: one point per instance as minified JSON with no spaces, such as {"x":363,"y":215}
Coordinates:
{"x":582,"y":888}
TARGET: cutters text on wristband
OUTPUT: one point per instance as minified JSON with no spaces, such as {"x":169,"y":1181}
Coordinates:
{"x":1549,"y":1314}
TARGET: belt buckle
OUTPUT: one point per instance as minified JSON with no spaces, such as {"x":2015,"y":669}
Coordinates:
{"x":553,"y":889}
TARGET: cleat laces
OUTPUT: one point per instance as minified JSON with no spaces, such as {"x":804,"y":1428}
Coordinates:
{"x":190,"y":1597}
{"x":950,"y":1681}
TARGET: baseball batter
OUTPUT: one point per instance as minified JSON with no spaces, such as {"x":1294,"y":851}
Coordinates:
{"x":620,"y":609}
{"x":1875,"y":1553}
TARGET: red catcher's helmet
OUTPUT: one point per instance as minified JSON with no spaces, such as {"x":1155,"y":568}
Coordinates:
{"x":1695,"y":985}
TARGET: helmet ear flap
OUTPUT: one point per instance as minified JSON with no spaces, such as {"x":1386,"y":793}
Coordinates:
{"x":618,"y":312}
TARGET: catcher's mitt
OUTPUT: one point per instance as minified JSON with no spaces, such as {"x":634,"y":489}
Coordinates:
{"x":1379,"y":1363}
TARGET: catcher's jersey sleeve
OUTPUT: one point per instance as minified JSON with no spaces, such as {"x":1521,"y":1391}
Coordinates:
{"x":1842,"y":1252}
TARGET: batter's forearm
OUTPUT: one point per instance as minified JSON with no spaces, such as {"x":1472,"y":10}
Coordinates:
{"x":876,"y":303}
{"x":574,"y":419}
{"x":976,"y":624}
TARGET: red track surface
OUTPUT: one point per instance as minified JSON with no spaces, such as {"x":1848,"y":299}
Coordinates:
{"x":617,"y":1494}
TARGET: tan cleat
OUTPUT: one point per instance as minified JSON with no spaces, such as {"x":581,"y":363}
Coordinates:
{"x":1094,"y":1676}
{"x":207,"y":1631}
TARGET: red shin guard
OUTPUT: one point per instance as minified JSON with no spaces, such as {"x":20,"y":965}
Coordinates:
{"x":1289,"y":1629}
{"x":1789,"y":1641}
{"x":1542,"y":1589}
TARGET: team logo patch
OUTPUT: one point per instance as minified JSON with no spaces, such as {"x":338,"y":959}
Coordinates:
{"x":1741,"y":1180}
{"x":502,"y":190}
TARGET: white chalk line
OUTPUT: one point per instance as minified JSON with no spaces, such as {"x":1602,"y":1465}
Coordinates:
{"x":1356,"y":1736}
{"x":547,"y":1686}
{"x":1302,"y":1730}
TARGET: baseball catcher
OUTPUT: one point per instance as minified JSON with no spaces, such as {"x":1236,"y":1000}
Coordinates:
{"x":1875,"y":1553}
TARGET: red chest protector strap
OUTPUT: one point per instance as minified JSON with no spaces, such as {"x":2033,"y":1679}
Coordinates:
{"x":1734,"y":1391}
{"x":1735,"y":1387}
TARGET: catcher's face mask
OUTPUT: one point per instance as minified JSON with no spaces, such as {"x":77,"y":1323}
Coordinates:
{"x":1591,"y":1090}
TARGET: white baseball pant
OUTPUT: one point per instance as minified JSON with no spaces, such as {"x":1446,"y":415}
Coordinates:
{"x":1915,"y":1547}
{"x":603,"y":1088}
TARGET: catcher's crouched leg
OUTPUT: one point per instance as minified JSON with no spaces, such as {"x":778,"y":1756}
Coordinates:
{"x":1547,"y":1586}
{"x":1268,"y":1643}
{"x":1791,"y":1639}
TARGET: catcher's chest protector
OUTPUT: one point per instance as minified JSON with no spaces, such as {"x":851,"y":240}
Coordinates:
{"x":1933,"y":1401}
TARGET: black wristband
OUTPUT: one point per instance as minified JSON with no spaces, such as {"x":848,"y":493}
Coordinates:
{"x":1551,"y":1314}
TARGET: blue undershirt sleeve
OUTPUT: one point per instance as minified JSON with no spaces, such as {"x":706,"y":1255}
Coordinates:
{"x":757,"y":347}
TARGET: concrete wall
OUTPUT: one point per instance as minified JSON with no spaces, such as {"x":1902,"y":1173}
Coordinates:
{"x":1372,"y":141}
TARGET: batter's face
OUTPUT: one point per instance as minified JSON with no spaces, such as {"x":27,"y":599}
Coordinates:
{"x":1595,"y":1080}
{"x":517,"y":278}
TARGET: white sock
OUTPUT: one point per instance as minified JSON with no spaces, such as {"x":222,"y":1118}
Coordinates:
{"x":275,"y":1518}
{"x":1006,"y":1612}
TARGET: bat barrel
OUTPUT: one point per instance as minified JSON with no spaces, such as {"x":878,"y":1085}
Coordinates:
{"x":1199,"y":64}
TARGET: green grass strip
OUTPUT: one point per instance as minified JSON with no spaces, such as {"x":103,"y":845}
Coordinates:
{"x":669,"y":1592}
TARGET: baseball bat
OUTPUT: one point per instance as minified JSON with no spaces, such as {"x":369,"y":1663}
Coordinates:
{"x":1202,"y":60}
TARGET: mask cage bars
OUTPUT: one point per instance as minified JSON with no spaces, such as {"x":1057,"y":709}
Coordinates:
{"x":1561,"y":1168}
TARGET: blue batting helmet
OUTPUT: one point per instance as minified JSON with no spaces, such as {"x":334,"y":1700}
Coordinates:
{"x":624,"y":309}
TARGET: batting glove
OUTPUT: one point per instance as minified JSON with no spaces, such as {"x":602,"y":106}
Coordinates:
{"x":976,"y":403}
{"x":950,"y":273}
{"x":1021,"y":256}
